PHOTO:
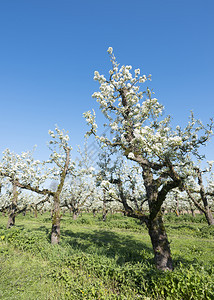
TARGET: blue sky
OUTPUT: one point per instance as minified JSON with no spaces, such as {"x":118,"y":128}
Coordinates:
{"x":50,"y":50}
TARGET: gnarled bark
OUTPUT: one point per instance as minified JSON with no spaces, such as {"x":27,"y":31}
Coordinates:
{"x":157,"y":232}
{"x":160,"y":243}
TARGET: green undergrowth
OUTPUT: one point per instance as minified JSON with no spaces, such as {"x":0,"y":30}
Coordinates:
{"x":103,"y":260}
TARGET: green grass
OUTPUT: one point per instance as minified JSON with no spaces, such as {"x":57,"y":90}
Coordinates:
{"x":104,"y":260}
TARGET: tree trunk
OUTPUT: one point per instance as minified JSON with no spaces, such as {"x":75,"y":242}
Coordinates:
{"x":104,"y":215}
{"x":157,"y":232}
{"x":55,"y":232}
{"x":209,"y":217}
{"x":75,"y":213}
{"x":160,"y":243}
{"x":177,"y":205}
{"x":208,"y":213}
{"x":193,"y":212}
{"x":105,"y":211}
{"x":12,"y":213}
{"x":35,"y":212}
{"x":94,"y":212}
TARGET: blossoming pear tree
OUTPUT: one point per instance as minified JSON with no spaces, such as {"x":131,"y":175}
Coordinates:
{"x":140,"y":131}
{"x":19,"y":168}
{"x":77,"y":195}
{"x":201,"y":196}
{"x":32,"y":175}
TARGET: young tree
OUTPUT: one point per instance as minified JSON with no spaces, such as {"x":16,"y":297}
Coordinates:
{"x":62,"y":166}
{"x":78,"y":194}
{"x":19,"y":168}
{"x":30,"y":174}
{"x":144,"y":136}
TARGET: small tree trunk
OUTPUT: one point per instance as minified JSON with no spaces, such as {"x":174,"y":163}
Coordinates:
{"x":105,"y":211}
{"x":12,"y":215}
{"x":192,"y":209}
{"x":35,"y":212}
{"x":104,"y":215}
{"x":11,"y":218}
{"x":177,"y":204}
{"x":55,"y":232}
{"x":160,"y":244}
{"x":75,"y":214}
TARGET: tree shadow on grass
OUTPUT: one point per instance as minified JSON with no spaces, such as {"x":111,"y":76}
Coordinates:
{"x":42,"y":229}
{"x":110,"y":244}
{"x":113,"y":245}
{"x":184,"y":226}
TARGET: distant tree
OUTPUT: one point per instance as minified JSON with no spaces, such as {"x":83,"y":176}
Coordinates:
{"x":145,"y":137}
{"x":80,"y":191}
{"x":199,"y":194}
{"x":103,"y":178}
{"x":121,"y":182}
{"x":19,"y":168}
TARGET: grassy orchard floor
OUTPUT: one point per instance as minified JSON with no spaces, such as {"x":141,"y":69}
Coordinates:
{"x":97,"y":260}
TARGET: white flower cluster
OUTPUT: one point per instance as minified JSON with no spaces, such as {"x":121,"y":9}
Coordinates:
{"x":23,"y":167}
{"x":60,"y":149}
{"x":135,"y":118}
{"x":90,"y":119}
{"x":35,"y":173}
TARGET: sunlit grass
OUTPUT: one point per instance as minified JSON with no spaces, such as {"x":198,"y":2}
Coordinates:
{"x":103,"y":260}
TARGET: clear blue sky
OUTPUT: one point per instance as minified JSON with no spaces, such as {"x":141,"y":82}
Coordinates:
{"x":50,"y":50}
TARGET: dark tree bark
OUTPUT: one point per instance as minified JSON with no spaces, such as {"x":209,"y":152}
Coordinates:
{"x":160,"y":243}
{"x":94,"y":212}
{"x":12,"y":216}
{"x":157,"y":232}
{"x":209,"y":217}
